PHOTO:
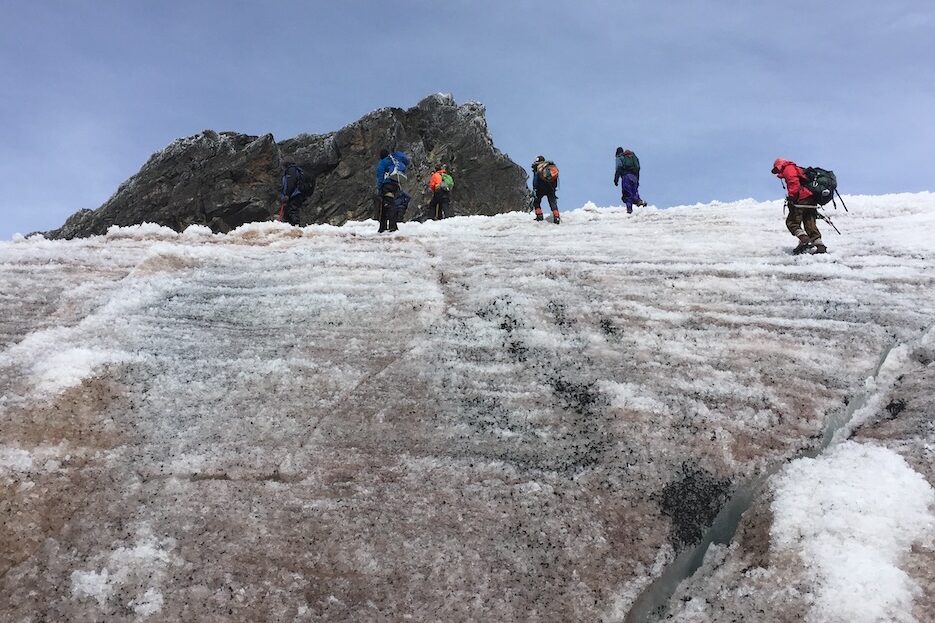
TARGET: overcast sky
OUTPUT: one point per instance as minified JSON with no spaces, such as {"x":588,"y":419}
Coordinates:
{"x":706,"y":93}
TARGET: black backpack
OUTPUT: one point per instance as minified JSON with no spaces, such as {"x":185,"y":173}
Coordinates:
{"x":295,"y":172}
{"x":822,"y":183}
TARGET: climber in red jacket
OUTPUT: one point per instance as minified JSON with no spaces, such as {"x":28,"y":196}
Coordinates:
{"x":802,"y":220}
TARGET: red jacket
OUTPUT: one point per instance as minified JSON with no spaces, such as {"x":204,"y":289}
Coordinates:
{"x":791,"y":174}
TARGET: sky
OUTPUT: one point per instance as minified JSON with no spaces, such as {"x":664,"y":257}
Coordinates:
{"x":706,"y":94}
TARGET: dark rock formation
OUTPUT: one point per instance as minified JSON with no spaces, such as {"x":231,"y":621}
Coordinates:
{"x":226,"y":179}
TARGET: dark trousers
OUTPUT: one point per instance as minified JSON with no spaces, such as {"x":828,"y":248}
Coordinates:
{"x":386,"y":204}
{"x":292,"y":210}
{"x":548,"y":193}
{"x":439,"y":205}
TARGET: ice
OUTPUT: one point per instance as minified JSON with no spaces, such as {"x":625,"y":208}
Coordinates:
{"x":473,"y":419}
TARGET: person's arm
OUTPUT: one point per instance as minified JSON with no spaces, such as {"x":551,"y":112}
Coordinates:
{"x":793,"y":186}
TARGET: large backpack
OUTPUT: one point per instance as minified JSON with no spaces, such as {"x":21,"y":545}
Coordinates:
{"x":398,"y":172}
{"x":822,"y":183}
{"x":296,"y":173}
{"x":448,"y":182}
{"x":549,"y":173}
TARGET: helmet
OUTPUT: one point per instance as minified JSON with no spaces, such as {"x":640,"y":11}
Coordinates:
{"x":777,"y":165}
{"x":540,"y":158}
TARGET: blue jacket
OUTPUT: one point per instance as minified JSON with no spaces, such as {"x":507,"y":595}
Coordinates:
{"x":385,"y":166}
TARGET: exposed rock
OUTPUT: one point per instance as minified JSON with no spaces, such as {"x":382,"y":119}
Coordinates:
{"x":226,"y":179}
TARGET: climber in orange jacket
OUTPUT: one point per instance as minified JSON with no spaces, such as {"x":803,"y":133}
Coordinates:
{"x":440,"y":184}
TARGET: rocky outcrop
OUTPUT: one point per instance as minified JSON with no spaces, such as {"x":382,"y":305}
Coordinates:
{"x":226,"y":179}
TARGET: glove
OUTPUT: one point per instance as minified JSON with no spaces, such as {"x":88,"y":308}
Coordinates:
{"x":616,"y":182}
{"x":790,"y":201}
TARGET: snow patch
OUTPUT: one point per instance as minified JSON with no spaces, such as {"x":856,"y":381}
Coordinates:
{"x":852,"y":515}
{"x":143,"y":231}
{"x":144,"y":562}
{"x":70,"y":367}
{"x":15,"y":459}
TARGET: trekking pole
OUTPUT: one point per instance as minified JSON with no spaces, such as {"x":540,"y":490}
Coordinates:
{"x":843,"y":205}
{"x":827,"y":220}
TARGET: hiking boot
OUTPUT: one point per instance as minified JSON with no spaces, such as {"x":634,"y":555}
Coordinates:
{"x":804,"y":243}
{"x":820,"y":248}
{"x":629,"y":210}
{"x":556,"y":220}
{"x":538,"y":217}
{"x":381,"y":230}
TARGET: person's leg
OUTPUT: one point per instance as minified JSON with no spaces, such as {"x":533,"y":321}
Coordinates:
{"x":810,"y":221}
{"x":538,"y":204}
{"x":635,"y":195}
{"x":553,"y":203}
{"x":390,"y":190}
{"x":294,"y":209}
{"x":433,"y":206}
{"x":794,"y":225}
{"x":381,"y":212}
{"x":628,"y":191}
{"x":445,"y":205}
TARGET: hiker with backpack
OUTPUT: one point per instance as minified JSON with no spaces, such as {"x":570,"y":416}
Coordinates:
{"x":627,"y":175}
{"x":545,"y":183}
{"x":440,"y":183}
{"x":802,"y":220}
{"x":291,"y":193}
{"x":391,"y":169}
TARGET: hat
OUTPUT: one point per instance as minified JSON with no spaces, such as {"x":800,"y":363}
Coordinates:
{"x":776,"y":163}
{"x":619,"y":151}
{"x":540,"y":159}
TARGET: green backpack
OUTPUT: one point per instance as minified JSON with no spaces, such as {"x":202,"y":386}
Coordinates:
{"x":448,"y":182}
{"x":821,"y":182}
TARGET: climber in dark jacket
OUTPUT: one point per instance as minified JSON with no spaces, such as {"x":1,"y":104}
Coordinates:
{"x":291,"y":197}
{"x":627,"y":174}
{"x":542,"y":187}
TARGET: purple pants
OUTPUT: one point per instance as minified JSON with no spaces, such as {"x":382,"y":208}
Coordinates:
{"x":630,"y":190}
